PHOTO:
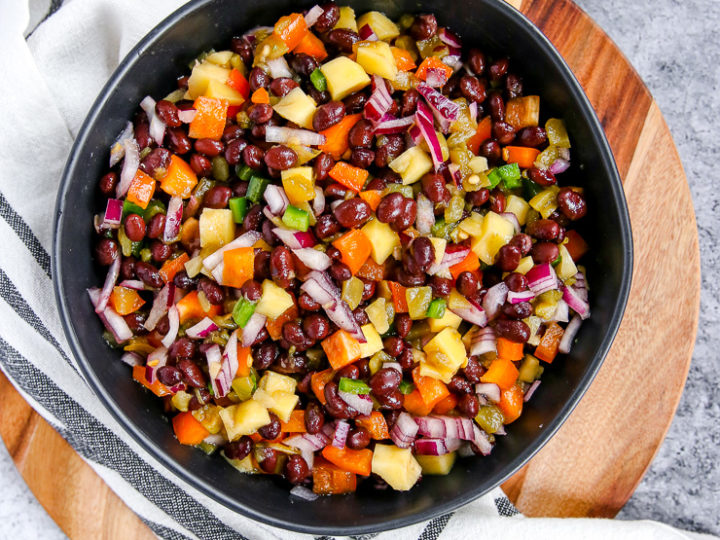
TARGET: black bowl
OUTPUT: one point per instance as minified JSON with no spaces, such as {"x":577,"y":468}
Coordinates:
{"x":151,"y":68}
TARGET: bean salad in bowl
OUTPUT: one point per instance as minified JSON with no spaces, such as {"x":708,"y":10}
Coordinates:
{"x":340,"y":252}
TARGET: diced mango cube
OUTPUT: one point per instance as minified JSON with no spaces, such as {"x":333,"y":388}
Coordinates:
{"x":495,"y":232}
{"x":397,"y":466}
{"x":566,"y":269}
{"x":347,"y":19}
{"x":376,"y":58}
{"x":448,"y":320}
{"x":412,"y":164}
{"x":244,"y":419}
{"x":383,"y":238}
{"x":299,"y":184}
{"x":383,"y":27}
{"x":374,"y":341}
{"x":519,"y":207}
{"x":201,"y":76}
{"x":219,"y":90}
{"x":297,"y":107}
{"x":436,"y":465}
{"x":448,"y":343}
{"x":280,"y":402}
{"x":274,"y":300}
{"x":377,"y":313}
{"x":217,"y":227}
{"x":272,"y":381}
{"x":344,"y":77}
{"x":545,"y":202}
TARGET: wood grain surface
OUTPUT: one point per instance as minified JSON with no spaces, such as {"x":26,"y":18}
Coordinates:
{"x":595,"y":461}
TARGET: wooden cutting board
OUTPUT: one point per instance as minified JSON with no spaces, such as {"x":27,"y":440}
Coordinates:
{"x":595,"y":461}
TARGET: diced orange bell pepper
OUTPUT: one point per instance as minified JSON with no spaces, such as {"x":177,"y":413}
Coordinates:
{"x":318,"y":380}
{"x":180,"y":179}
{"x":189,"y":308}
{"x":348,"y":175}
{"x":355,"y":248}
{"x":550,"y":341}
{"x":141,"y":189}
{"x":509,"y":350}
{"x":238,"y":266}
{"x":371,"y":270}
{"x":376,"y":425}
{"x":237,"y":81}
{"x":244,"y":356}
{"x":576,"y":245}
{"x":501,"y":372}
{"x":336,"y":137}
{"x":372,"y":197}
{"x":330,"y":480}
{"x":157,"y":388}
{"x":432,"y":390}
{"x":296,"y":423}
{"x":210,"y":118}
{"x":398,"y":297}
{"x":433,"y":62}
{"x":511,"y":403}
{"x":274,"y":327}
{"x":190,"y":232}
{"x":522,"y":155}
{"x":260,"y":96}
{"x":414,"y":404}
{"x":341,"y":349}
{"x":469,"y":264}
{"x":347,"y":459}
{"x":188,"y":430}
{"x":483,"y":133}
{"x":173,"y":266}
{"x":312,"y":46}
{"x":446,"y":404}
{"x":403,"y":59}
{"x":291,"y":29}
{"x":125,"y":301}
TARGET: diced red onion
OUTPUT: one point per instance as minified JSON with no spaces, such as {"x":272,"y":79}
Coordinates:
{"x":117,"y":150}
{"x":131,"y":162}
{"x":174,"y":326}
{"x":312,"y":258}
{"x":324,"y":292}
{"x":229,"y":368}
{"x":561,"y":313}
{"x":244,"y":240}
{"x":455,"y":174}
{"x":132,"y":359}
{"x":173,"y":219}
{"x":187,"y":116}
{"x":449,"y":38}
{"x":453,"y":60}
{"x":308,"y":444}
{"x":472,"y":313}
{"x":157,"y":126}
{"x":301,"y":492}
{"x":425,"y":214}
{"x":531,"y":390}
{"x":390,"y":125}
{"x":519,"y":297}
{"x":568,"y":336}
{"x":279,"y":134}
{"x":335,"y":204}
{"x":483,"y":341}
{"x":489,"y":391}
{"x":214,"y":360}
{"x":481,"y":440}
{"x":360,"y":402}
{"x":495,"y":298}
{"x":431,"y":426}
{"x":319,"y":201}
{"x":404,"y":431}
{"x":559,"y":166}
{"x":432,"y":447}
{"x":217,"y":273}
{"x":542,"y":278}
{"x":114,"y":323}
{"x":444,"y":109}
{"x":423,"y":120}
{"x":253,"y":328}
{"x":113,"y":214}
{"x":454,"y":254}
{"x":134,"y":284}
{"x":294,"y":239}
{"x":342,"y":428}
{"x":393,"y":365}
{"x":215,"y":439}
{"x":201,"y":329}
{"x":276,"y":198}
{"x":278,"y":67}
{"x":464,"y":428}
{"x":435,"y":77}
{"x":155,"y":360}
{"x":473,"y":109}
{"x":576,"y":303}
{"x":512,"y":218}
{"x":367,"y":34}
{"x":414,"y":135}
{"x":500,"y":431}
{"x":110,"y":280}
{"x":379,"y":102}
{"x":313,"y":14}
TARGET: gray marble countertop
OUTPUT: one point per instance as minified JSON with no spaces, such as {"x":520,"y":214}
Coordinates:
{"x":673,"y":45}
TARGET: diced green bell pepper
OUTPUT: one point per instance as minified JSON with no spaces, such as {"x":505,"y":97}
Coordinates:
{"x":530,"y":188}
{"x":318,"y":80}
{"x":353,"y":386}
{"x":510,"y":174}
{"x":256,"y":188}
{"x":494,"y":178}
{"x":296,"y":218}
{"x":131,"y":208}
{"x":242,"y":312}
{"x":436,"y":309}
{"x":239,"y":208}
{"x":406,"y":387}
{"x":243,"y":172}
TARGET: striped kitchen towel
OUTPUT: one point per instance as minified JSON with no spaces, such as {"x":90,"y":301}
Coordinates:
{"x":53,"y":69}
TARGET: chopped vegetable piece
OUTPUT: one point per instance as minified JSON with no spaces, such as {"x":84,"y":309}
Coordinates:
{"x":312,"y":46}
{"x":576,"y":245}
{"x":431,"y":390}
{"x":483,"y":133}
{"x":239,"y":208}
{"x":522,"y":155}
{"x":242,"y":312}
{"x":406,"y":387}
{"x":398,"y":297}
{"x":336,"y":137}
{"x":509,"y":350}
{"x":188,"y":430}
{"x":433,"y":62}
{"x":210,"y":118}
{"x":318,"y":380}
{"x":469,"y":264}
{"x":180,"y":179}
{"x":354,"y":461}
{"x":125,"y":301}
{"x":511,"y":404}
{"x":549,"y":343}
{"x":291,"y":29}
{"x":375,"y":424}
{"x":189,"y":308}
{"x":256,"y":188}
{"x":354,"y":248}
{"x":403,"y":59}
{"x":141,"y":190}
{"x":341,"y":349}
{"x":318,"y":80}
{"x":260,"y":96}
{"x":436,"y":309}
{"x":296,"y":424}
{"x":447,"y":404}
{"x":274,"y":326}
{"x":157,"y":388}
{"x":501,"y":372}
{"x":173,"y":266}
{"x":510,"y":174}
{"x":330,"y":480}
{"x":237,"y":81}
{"x":414,"y":404}
{"x":348,"y":175}
{"x":295,"y":218}
{"x":353,"y":386}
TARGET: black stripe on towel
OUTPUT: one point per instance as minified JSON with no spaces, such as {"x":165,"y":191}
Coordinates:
{"x":15,"y":300}
{"x":91,"y":439}
{"x":435,"y":527}
{"x":505,"y":508}
{"x":25,"y":234}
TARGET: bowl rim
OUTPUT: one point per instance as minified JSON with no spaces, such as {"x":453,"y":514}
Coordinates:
{"x":441,"y":507}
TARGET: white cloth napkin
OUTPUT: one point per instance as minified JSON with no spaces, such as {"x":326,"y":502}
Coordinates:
{"x":51,"y":79}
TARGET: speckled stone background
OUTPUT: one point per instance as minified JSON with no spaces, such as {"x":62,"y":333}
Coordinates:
{"x":674,"y":45}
